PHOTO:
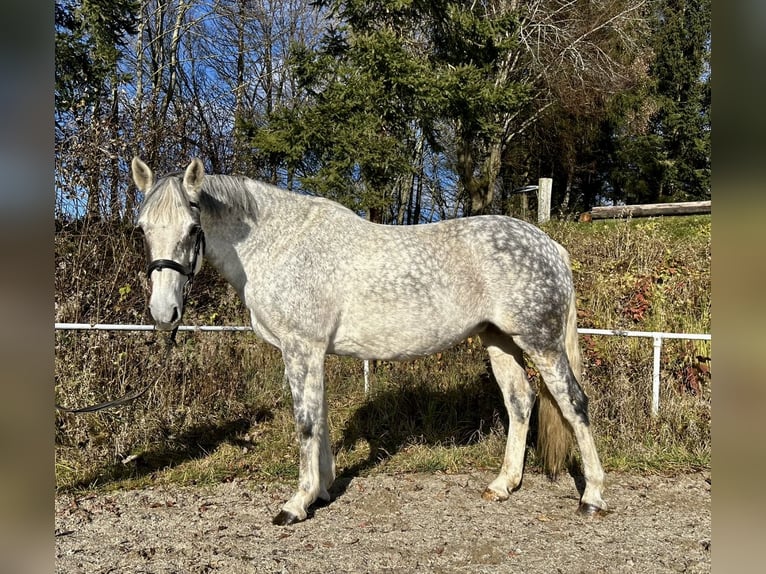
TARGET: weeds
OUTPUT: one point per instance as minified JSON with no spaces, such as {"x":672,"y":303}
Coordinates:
{"x":220,"y":408}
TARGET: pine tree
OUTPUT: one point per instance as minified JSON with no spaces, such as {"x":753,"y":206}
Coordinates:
{"x":668,"y":157}
{"x":90,"y":37}
{"x":366,"y":88}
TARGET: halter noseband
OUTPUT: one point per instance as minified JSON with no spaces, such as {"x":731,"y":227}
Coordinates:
{"x":159,"y":264}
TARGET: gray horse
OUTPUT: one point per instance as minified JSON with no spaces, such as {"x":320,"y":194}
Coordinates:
{"x":318,"y":279}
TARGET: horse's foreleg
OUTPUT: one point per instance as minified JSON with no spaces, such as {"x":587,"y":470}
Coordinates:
{"x":304,"y":367}
{"x":508,"y":367}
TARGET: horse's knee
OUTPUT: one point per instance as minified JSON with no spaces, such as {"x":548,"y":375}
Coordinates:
{"x":524,"y":404}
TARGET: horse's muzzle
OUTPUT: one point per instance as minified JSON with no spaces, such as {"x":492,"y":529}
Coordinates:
{"x":166,"y":317}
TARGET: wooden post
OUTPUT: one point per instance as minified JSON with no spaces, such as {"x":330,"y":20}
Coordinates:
{"x":524,"y":205}
{"x":544,"y":186}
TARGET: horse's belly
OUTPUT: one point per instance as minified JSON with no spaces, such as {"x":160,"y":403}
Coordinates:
{"x":387,"y":338}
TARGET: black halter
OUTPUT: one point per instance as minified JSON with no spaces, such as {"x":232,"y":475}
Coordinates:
{"x":199,"y":247}
{"x":188,"y":272}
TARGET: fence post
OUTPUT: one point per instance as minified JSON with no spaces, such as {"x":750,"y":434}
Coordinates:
{"x":656,"y":376}
{"x":544,"y":185}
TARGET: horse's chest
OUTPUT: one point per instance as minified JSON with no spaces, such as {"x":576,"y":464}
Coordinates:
{"x":263,"y":330}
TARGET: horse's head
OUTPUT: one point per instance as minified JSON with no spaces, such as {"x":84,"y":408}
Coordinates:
{"x":174,"y":240}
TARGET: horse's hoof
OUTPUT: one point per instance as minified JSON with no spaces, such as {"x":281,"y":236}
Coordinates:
{"x":590,"y":510}
{"x":285,"y":518}
{"x":493,"y":496}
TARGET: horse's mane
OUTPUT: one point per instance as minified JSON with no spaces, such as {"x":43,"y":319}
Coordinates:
{"x":220,"y":197}
{"x":223,"y":194}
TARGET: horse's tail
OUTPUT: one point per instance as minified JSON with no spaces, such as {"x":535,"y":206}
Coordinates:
{"x":554,"y":435}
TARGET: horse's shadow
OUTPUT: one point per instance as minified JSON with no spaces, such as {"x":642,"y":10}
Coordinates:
{"x":196,"y":442}
{"x":395,"y":418}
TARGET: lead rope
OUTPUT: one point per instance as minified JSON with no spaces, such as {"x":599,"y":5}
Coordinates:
{"x":171,"y":343}
{"x":129,"y":397}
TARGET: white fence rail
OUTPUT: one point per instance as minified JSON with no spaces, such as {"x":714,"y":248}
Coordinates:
{"x":656,"y":337}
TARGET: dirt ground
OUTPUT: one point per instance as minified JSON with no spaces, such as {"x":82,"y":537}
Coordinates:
{"x":406,"y":523}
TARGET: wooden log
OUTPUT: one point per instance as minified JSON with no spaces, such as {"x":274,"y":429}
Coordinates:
{"x":648,"y":210}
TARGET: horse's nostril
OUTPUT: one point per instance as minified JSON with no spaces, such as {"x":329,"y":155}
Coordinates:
{"x":174,"y":318}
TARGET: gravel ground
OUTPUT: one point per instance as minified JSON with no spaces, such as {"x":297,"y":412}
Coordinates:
{"x":404,"y":523}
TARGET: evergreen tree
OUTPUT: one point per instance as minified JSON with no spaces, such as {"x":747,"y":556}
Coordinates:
{"x":89,"y":36}
{"x":369,"y":91}
{"x":350,"y":141}
{"x":468,"y":78}
{"x":665,"y":155}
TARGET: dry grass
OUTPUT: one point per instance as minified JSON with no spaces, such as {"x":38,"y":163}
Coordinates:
{"x":220,"y":409}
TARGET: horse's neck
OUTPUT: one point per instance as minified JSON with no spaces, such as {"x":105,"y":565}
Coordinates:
{"x":234,"y":243}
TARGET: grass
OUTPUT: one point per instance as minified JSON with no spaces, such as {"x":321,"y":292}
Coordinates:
{"x":220,"y":409}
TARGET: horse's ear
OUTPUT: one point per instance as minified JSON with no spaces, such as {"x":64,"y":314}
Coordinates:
{"x":142,"y":175}
{"x":193,"y":178}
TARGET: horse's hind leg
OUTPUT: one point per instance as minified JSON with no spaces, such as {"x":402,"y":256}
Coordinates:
{"x":508,"y":367}
{"x":304,"y":366}
{"x":558,"y":377}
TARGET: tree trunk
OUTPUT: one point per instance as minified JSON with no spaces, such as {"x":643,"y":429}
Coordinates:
{"x":175,"y":40}
{"x":92,"y":167}
{"x":115,"y":208}
{"x":239,"y":93}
